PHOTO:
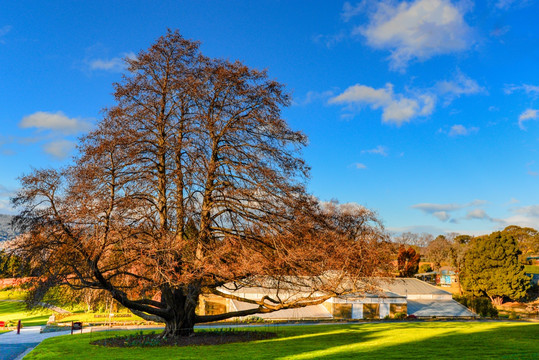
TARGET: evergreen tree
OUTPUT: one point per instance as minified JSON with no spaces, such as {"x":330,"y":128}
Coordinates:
{"x":491,"y":268}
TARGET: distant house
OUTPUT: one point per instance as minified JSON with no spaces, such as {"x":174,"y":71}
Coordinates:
{"x":446,"y":276}
{"x":402,"y":295}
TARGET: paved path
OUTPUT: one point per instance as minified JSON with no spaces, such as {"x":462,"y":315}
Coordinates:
{"x":12,"y":344}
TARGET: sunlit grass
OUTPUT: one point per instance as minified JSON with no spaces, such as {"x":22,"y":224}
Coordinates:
{"x":102,"y":318}
{"x":15,"y":310}
{"x":12,"y":295}
{"x":428,"y":340}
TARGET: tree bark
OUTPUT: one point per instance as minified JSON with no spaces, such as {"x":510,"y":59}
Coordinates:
{"x":181,"y":318}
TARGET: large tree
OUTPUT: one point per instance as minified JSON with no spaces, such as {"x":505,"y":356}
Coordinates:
{"x":527,"y":238}
{"x":457,"y":255}
{"x":491,"y":268}
{"x":407,"y":261}
{"x":437,"y":252}
{"x":191,"y":184}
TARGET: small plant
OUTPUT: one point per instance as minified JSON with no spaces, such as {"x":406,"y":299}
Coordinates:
{"x":400,"y":316}
{"x":513,"y":316}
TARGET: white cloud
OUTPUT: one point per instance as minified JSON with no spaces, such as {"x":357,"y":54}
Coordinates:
{"x":460,"y":85}
{"x":441,"y":215}
{"x":504,"y":4}
{"x":527,"y":115}
{"x":313,"y":96}
{"x":443,"y":211}
{"x":396,"y":108}
{"x":5,"y":192}
{"x":5,"y":207}
{"x":417,"y":30}
{"x":527,"y":88}
{"x":55,"y":121}
{"x":461,"y":130}
{"x":478,"y":214}
{"x":59,"y":149}
{"x":115,"y":64}
{"x":500,"y":31}
{"x":379,"y":150}
{"x":431,"y":208}
{"x":360,"y":166}
{"x":349,"y":10}
{"x":525,"y":216}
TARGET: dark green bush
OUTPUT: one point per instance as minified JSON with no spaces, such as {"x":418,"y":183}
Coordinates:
{"x":482,"y":306}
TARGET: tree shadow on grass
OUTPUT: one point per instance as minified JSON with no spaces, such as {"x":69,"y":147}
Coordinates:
{"x":495,"y":340}
{"x":428,"y":340}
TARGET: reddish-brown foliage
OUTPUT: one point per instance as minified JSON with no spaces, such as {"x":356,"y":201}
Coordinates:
{"x":191,"y":183}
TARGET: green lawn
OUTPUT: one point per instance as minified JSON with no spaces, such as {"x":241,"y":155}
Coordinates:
{"x":12,"y":295}
{"x":417,"y":340}
{"x":531,"y":269}
{"x":15,"y":310}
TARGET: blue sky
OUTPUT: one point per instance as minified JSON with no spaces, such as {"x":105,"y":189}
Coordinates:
{"x":425,"y":111}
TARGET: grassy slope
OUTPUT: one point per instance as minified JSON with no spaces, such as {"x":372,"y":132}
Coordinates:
{"x":449,"y":340}
{"x":14,"y":310}
{"x":12,"y":295}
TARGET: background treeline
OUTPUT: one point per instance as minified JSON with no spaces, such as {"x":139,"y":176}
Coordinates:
{"x":496,"y":266}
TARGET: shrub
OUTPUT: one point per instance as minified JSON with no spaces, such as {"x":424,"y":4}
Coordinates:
{"x":400,"y":316}
{"x":482,"y":306}
{"x":513,"y":316}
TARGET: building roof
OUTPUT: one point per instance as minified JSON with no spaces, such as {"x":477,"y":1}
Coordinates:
{"x":412,"y":286}
{"x":307,"y":312}
{"x":439,"y":308}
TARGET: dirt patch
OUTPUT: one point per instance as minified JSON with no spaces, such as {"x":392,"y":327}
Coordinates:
{"x":198,"y":338}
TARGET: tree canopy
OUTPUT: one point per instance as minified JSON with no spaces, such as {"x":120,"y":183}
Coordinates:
{"x":192,"y":183}
{"x":407,"y":261}
{"x":437,"y":251}
{"x":492,"y":268}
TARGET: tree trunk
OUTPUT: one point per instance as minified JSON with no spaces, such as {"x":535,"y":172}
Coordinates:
{"x":182,"y":304}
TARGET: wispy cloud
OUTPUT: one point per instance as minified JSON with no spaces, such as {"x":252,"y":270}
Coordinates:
{"x":478,"y":214}
{"x":443,"y":211}
{"x":313,"y":96}
{"x":500,"y":31}
{"x":527,"y":115}
{"x":330,"y":40}
{"x":379,"y":150}
{"x":507,"y":4}
{"x":396,"y":108}
{"x":461,"y":130}
{"x":458,"y":86}
{"x":55,"y":121}
{"x":115,"y":64}
{"x":349,"y":11}
{"x":527,"y":88}
{"x":418,"y":30}
{"x":6,"y":192}
{"x":3,"y":31}
{"x":525,"y":216}
{"x":59,"y":149}
{"x":359,"y":166}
